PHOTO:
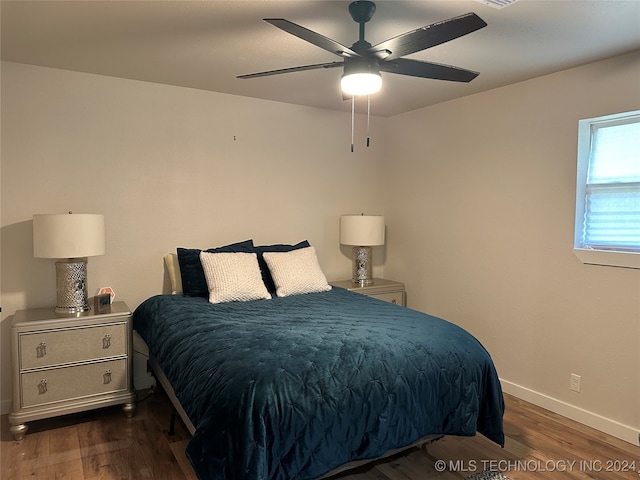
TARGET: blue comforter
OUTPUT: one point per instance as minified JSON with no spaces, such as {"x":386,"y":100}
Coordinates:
{"x":292,"y":388}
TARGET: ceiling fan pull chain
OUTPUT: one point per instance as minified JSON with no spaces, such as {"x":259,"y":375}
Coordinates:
{"x":368,"y":115}
{"x":353,"y":109}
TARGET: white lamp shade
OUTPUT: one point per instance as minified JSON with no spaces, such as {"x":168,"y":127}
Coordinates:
{"x":68,"y":235}
{"x":362,"y":230}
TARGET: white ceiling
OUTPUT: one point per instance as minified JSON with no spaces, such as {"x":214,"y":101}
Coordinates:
{"x":205,"y":44}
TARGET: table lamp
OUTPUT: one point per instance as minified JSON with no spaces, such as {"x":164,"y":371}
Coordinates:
{"x":70,"y":237}
{"x":362,"y":232}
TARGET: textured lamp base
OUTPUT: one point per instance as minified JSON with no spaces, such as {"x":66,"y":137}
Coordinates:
{"x":362,"y":260}
{"x":71,"y":286}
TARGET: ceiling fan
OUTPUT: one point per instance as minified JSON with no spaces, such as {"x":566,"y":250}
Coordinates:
{"x":363,"y":62}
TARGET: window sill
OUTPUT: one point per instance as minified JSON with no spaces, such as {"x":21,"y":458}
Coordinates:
{"x":608,"y":258}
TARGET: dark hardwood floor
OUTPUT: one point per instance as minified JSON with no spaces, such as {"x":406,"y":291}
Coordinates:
{"x":104,"y":445}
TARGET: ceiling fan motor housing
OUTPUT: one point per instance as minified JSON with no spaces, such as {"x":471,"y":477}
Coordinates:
{"x":361,"y":65}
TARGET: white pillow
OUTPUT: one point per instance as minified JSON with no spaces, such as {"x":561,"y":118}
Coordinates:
{"x":296,"y":272}
{"x":233,"y":277}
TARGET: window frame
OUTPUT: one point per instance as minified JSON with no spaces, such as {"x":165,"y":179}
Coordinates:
{"x":588,"y":255}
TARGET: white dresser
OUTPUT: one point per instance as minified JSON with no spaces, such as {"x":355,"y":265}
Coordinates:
{"x":387,"y":290}
{"x":65,"y":364}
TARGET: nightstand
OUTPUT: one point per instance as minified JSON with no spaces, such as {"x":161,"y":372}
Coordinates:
{"x":65,"y":364}
{"x":387,"y":290}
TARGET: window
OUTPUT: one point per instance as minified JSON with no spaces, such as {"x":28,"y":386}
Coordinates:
{"x":607,"y":227}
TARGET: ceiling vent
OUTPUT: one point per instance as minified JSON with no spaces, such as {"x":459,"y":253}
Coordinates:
{"x":497,"y":3}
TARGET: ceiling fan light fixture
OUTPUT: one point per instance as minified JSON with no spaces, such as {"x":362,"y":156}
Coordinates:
{"x":363,"y":83}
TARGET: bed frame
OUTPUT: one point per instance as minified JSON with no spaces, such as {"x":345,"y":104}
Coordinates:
{"x":164,"y":382}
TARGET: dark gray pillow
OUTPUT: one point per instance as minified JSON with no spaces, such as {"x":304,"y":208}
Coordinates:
{"x":194,"y":283}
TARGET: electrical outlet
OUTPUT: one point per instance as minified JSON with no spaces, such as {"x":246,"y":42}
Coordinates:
{"x":575,"y":383}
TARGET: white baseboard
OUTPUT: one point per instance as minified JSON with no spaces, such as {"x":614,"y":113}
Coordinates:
{"x":585,"y":417}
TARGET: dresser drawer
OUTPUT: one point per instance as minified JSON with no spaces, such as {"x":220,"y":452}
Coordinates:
{"x":56,"y":347}
{"x":65,"y":383}
{"x":393,"y":297}
{"x":382,"y":289}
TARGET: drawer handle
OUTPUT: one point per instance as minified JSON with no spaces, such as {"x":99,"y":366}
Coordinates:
{"x":394,"y":301}
{"x":106,"y":377}
{"x":41,"y":350}
{"x":42,"y":386}
{"x":106,"y":341}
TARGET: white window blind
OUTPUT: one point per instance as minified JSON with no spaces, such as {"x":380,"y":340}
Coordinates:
{"x":610,"y":192}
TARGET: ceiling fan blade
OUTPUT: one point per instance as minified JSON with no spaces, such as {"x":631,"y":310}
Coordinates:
{"x":312,"y":37}
{"x":415,"y":68}
{"x":429,"y":36}
{"x":292,"y":69}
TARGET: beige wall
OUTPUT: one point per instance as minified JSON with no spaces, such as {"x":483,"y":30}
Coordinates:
{"x":478,"y":196}
{"x":168,"y":167}
{"x":480,"y":218}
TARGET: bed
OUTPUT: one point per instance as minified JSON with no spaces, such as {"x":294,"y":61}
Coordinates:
{"x":300,"y":385}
